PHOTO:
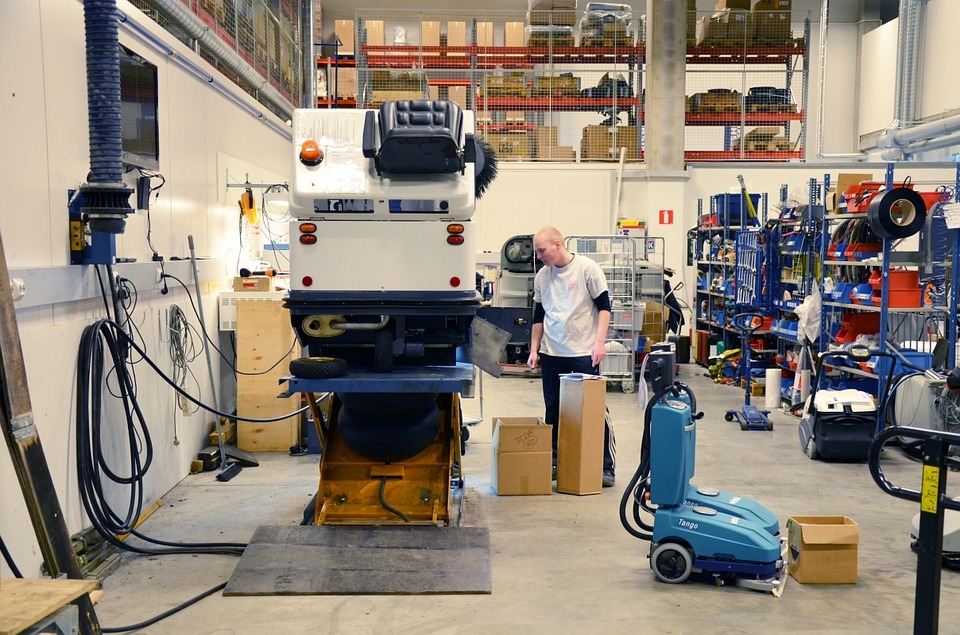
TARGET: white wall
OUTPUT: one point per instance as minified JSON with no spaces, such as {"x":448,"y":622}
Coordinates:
{"x":203,"y":135}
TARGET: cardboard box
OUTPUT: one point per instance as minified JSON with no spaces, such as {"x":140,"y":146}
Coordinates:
{"x":343,"y":80}
{"x":375,"y":34}
{"x":458,"y":94}
{"x":557,"y":153}
{"x":522,"y":457}
{"x":430,"y":36}
{"x":773,"y":28}
{"x":732,"y":4}
{"x":485,"y":33}
{"x":253,"y":283}
{"x":772,"y":5}
{"x":823,"y":549}
{"x":456,"y":36}
{"x":344,"y":30}
{"x":583,"y":402}
{"x":513,"y":34}
{"x":545,"y":136}
{"x":512,"y":144}
{"x":604,"y":142}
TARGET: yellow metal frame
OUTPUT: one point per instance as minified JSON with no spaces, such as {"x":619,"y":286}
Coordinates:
{"x":418,"y":487}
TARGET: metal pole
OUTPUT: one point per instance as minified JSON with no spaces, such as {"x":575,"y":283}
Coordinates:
{"x":206,"y":350}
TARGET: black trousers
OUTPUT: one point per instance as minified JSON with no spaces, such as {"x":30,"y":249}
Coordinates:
{"x":550,"y":370}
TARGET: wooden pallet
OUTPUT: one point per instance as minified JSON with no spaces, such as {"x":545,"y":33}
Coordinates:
{"x":606,"y":41}
{"x":718,"y":108}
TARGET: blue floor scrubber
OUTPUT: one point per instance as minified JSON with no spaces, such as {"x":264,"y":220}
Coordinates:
{"x":749,"y":416}
{"x":695,"y":529}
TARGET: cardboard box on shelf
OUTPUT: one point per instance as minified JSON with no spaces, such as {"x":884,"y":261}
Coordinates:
{"x":380,"y":96}
{"x":513,"y":144}
{"x":456,"y":36}
{"x":522,"y":456}
{"x":557,"y":153}
{"x":458,"y":94}
{"x":253,"y":283}
{"x":513,"y":34}
{"x":739,"y":26}
{"x":344,"y":82}
{"x":545,"y":136}
{"x":772,"y":28}
{"x":604,"y":142}
{"x":733,"y":4}
{"x":485,"y":33}
{"x":772,"y":5}
{"x":581,"y":434}
{"x":375,"y":34}
{"x":822,"y":549}
{"x":430,"y":36}
{"x":344,"y":30}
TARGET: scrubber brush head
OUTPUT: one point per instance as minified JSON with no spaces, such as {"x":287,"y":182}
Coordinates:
{"x":485,"y":167}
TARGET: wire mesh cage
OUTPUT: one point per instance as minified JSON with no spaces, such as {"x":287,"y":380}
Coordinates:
{"x":747,"y":83}
{"x":265,"y":35}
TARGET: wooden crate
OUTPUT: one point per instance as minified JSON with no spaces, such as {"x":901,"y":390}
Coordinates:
{"x":265,"y":335}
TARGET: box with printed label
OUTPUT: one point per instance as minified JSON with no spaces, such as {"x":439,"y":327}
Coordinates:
{"x":522,"y":456}
{"x":823,"y":549}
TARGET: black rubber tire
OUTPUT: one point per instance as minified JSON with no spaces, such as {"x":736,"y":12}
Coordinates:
{"x":671,"y":563}
{"x":383,"y":352}
{"x":318,"y":367}
{"x":728,"y":417}
{"x":392,"y":440}
{"x":386,"y":406}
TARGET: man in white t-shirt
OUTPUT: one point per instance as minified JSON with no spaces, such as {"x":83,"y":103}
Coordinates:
{"x":570,"y":322}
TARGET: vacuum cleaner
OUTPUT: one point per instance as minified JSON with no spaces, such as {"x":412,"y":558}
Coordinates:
{"x":695,"y":529}
{"x":841,"y":424}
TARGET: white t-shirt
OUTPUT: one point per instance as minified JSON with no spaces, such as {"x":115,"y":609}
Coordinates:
{"x":567,"y":294}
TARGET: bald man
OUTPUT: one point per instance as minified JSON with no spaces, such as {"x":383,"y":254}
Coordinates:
{"x":570,"y":321}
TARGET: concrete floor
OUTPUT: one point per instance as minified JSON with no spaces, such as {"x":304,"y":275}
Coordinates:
{"x":560,"y":563}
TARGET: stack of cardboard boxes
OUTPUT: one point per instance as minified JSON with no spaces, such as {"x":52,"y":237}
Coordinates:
{"x":738,"y":23}
{"x":604,"y":142}
{"x":521,"y":457}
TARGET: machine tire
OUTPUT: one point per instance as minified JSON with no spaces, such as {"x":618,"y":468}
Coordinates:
{"x":396,"y":439}
{"x":318,"y":367}
{"x":811,"y":449}
{"x":386,"y":406}
{"x":671,"y":563}
{"x":383,"y":352}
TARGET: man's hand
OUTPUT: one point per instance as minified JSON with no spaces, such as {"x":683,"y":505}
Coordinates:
{"x":599,"y":353}
{"x":533,"y":359}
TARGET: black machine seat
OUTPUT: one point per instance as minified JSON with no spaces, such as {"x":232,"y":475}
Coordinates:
{"x":417,"y":136}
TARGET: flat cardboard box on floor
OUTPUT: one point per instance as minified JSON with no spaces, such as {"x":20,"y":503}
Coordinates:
{"x":522,"y":457}
{"x":583,"y":402}
{"x":823,"y":549}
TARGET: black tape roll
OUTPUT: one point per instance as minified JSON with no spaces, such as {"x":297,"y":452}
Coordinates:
{"x":897,"y":213}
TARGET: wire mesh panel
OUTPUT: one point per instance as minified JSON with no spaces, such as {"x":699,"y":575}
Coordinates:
{"x":747,"y":84}
{"x":265,"y":34}
{"x":555,"y":85}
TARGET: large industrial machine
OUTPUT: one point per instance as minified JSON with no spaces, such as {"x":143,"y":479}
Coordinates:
{"x":382,"y":296}
{"x":695,"y":529}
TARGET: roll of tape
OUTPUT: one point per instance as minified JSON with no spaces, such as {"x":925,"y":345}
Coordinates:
{"x":897,"y":213}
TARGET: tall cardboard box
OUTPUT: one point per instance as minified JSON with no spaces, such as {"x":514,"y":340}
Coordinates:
{"x":375,"y":34}
{"x":344,"y":30}
{"x":823,"y":549}
{"x":522,"y":457}
{"x":264,"y":335}
{"x":430,"y":36}
{"x":485,"y":33}
{"x":583,"y":402}
{"x":458,"y":95}
{"x":456,"y":36}
{"x":513,"y":34}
